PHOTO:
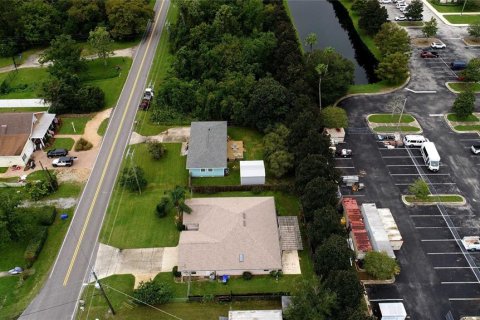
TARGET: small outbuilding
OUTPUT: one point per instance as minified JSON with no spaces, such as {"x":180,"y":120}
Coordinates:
{"x":392,"y":311}
{"x":252,"y":172}
{"x":255,"y":315}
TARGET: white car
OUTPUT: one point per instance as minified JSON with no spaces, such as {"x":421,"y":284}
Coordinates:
{"x":385,"y":1}
{"x":438,"y":45}
{"x":400,"y":18}
{"x":400,"y":4}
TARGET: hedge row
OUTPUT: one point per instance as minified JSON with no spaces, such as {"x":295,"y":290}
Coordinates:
{"x":35,"y":245}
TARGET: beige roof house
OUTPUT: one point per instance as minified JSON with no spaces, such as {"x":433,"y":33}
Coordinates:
{"x":228,"y":236}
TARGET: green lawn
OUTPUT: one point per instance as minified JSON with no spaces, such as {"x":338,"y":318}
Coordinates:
{"x":252,"y":141}
{"x":145,"y":127}
{"x":116,"y":45}
{"x":62,"y":143}
{"x":103,"y":127}
{"x":465,"y":19}
{"x":447,"y":8}
{"x":96,"y":306}
{"x":28,"y":109}
{"x":467,"y":128}
{"x":3,"y":169}
{"x":131,"y":221}
{"x":367,"y":39}
{"x":25,"y":83}
{"x":233,"y":179}
{"x":376,"y":87}
{"x":395,"y":129}
{"x":462,"y":86}
{"x":14,"y":294}
{"x":388,"y":118}
{"x":431,"y":198}
{"x":7,"y":61}
{"x":410,"y":23}
{"x":107,"y":78}
{"x":470,"y":118}
{"x":73,"y":125}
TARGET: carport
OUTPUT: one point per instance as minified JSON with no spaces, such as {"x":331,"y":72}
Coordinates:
{"x":43,"y":129}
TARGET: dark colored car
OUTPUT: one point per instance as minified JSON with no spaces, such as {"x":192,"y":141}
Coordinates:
{"x":458,"y":65}
{"x":429,"y":54}
{"x":57,"y":153}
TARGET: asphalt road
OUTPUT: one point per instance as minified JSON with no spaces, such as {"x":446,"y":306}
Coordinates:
{"x":58,"y":298}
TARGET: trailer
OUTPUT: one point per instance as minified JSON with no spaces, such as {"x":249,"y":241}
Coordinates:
{"x":146,"y":99}
{"x":471,"y":243}
{"x":376,"y":230}
{"x":394,"y":236}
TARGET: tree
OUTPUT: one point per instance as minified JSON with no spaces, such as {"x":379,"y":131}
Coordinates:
{"x":391,"y":38}
{"x":101,"y":43}
{"x":329,"y":73}
{"x":311,"y":301}
{"x":133,"y":179}
{"x":415,"y":10}
{"x":419,"y":189}
{"x":430,"y":28}
{"x":61,"y":93}
{"x":177,"y":196}
{"x":372,"y":16}
{"x":380,"y":265}
{"x":333,"y":255}
{"x":277,"y":158}
{"x":326,"y":221}
{"x":318,"y":193}
{"x":358,"y":6}
{"x":314,"y":166}
{"x":64,"y":53}
{"x":163,"y":207}
{"x":346,"y":285}
{"x":156,"y":149}
{"x":279,"y":163}
{"x":472,"y":71}
{"x":334,"y":117}
{"x":474,"y":30}
{"x":89,"y":99}
{"x":83,"y":16}
{"x":464,"y":104}
{"x":311,"y":40}
{"x":127,"y":18}
{"x":393,"y":68}
{"x":40,"y":21}
{"x":152,"y":292}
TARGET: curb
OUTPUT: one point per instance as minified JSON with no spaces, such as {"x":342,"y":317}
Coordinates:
{"x":450,"y":204}
{"x":372,"y":125}
{"x":450,"y":89}
{"x":455,"y":130}
{"x":441,"y":17}
{"x":470,"y":45}
{"x":389,"y":281}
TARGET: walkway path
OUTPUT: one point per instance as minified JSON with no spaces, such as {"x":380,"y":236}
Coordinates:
{"x":22,"y":103}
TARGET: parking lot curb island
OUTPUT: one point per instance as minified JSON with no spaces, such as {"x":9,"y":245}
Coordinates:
{"x":450,"y":204}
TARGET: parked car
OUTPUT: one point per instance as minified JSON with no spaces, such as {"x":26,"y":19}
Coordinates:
{"x":344,"y":153}
{"x":400,"y":3}
{"x":57,"y":153}
{"x":16,"y":270}
{"x":385,"y":137}
{"x":475,"y":149}
{"x":429,"y":54}
{"x":385,"y":1}
{"x":438,"y":45}
{"x":458,"y":65}
{"x":63,"y":161}
{"x":400,"y":18}
{"x":415,"y":19}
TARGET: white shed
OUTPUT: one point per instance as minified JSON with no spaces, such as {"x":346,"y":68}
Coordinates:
{"x":255,"y":315}
{"x":392,"y":311}
{"x":252,"y":172}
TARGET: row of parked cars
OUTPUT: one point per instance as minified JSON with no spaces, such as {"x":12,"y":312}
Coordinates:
{"x":61,"y":158}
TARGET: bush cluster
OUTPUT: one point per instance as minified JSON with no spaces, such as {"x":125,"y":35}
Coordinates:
{"x":35,"y":245}
{"x":83,"y":145}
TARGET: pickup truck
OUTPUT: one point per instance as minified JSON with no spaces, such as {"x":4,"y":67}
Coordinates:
{"x":471,"y":243}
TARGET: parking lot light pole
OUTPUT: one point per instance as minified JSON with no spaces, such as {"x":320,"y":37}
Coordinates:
{"x":401,"y":113}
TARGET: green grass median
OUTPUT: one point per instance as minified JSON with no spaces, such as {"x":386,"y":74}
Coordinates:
{"x":388,"y":118}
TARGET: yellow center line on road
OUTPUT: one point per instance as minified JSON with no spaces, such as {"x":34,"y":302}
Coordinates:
{"x":90,"y":210}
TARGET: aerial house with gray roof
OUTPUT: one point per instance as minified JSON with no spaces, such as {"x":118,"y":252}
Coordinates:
{"x":207,"y":149}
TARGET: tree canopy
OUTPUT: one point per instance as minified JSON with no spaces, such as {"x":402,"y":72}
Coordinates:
{"x":430,"y":28}
{"x":333,"y":255}
{"x":334,"y":117}
{"x":372,"y":16}
{"x":464,"y":104}
{"x":415,"y":10}
{"x":391,"y":38}
{"x":393,"y":68}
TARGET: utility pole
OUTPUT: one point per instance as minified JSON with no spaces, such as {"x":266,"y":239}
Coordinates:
{"x":103,"y":292}
{"x":50,"y":179}
{"x":401,"y":113}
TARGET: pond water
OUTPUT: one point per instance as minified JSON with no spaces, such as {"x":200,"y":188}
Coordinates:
{"x":330,"y":22}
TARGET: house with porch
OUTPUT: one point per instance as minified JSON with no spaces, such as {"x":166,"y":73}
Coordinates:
{"x":207,"y":149}
{"x":23,"y":133}
{"x":228,"y":236}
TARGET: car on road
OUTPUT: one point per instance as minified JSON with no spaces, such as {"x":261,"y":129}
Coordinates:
{"x":438,"y":45}
{"x":63,"y":161}
{"x":429,"y":54}
{"x":475,"y":149}
{"x":400,"y":18}
{"x":57,"y":153}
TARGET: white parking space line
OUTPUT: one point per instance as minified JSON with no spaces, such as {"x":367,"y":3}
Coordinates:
{"x":438,"y":183}
{"x":416,"y":174}
{"x":377,"y":300}
{"x":344,"y":167}
{"x":459,"y":282}
{"x":409,"y":165}
{"x":436,"y":114}
{"x":441,"y":268}
{"x":464,"y":299}
{"x":439,"y":240}
{"x":441,"y":253}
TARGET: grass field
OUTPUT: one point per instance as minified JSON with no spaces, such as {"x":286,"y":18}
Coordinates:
{"x":467,"y":128}
{"x":103,"y":127}
{"x":62,"y":143}
{"x":69,"y":123}
{"x":25,"y":83}
{"x":395,"y":129}
{"x":465,"y":19}
{"x":131,"y":221}
{"x":462,"y":86}
{"x":19,"y":58}
{"x":233,"y":179}
{"x":127,"y":309}
{"x":15,"y":294}
{"x":431,"y":198}
{"x":410,"y":23}
{"x":376,"y":87}
{"x":388,"y":118}
{"x":145,"y":127}
{"x":449,"y":8}
{"x":3,"y":169}
{"x":470,"y":118}
{"x":252,"y":141}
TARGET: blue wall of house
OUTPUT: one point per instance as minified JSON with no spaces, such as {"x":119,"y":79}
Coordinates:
{"x":217,"y":172}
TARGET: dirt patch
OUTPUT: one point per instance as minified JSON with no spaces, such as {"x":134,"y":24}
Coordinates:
{"x":61,"y":203}
{"x":472,"y":41}
{"x":73,"y":174}
{"x":423,"y":42}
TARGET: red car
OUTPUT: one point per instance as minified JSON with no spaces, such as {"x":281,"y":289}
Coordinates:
{"x":429,"y":54}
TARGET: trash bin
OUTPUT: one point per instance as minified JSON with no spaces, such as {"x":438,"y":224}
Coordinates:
{"x":64,"y":216}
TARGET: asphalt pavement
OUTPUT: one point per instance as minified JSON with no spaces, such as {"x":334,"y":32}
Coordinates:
{"x":58,"y":299}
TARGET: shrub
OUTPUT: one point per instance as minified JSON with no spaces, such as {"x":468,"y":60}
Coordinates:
{"x":419,"y":189}
{"x":5,"y":87}
{"x":41,"y":188}
{"x":175,"y":272}
{"x":152,"y":292}
{"x":163,"y":207}
{"x":83,"y":145}
{"x":35,"y":245}
{"x":46,"y":216}
{"x":380,"y":265}
{"x":156,"y":150}
{"x":276,"y":273}
{"x":247,"y":275}
{"x":133,"y":179}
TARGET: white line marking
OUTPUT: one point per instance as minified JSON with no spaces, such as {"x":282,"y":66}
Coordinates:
{"x":436,"y":114}
{"x":376,"y":300}
{"x":416,"y":174}
{"x":459,"y":282}
{"x":440,"y":253}
{"x":425,"y":91}
{"x":399,"y":157}
{"x":447,"y":268}
{"x":436,"y":227}
{"x":464,"y":299}
{"x":439,"y":240}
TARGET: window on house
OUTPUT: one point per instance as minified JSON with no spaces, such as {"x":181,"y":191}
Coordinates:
{"x":194,"y":272}
{"x":210,"y":170}
{"x":202,"y":170}
{"x":24,"y":157}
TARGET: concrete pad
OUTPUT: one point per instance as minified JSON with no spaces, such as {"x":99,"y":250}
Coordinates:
{"x":291,"y":262}
{"x":143,"y":264}
{"x":22,"y":103}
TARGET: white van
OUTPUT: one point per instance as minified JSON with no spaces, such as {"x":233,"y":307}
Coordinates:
{"x":430,"y":156}
{"x":413,"y":140}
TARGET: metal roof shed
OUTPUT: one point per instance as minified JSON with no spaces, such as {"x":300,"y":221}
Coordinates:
{"x":252,"y":172}
{"x":255,"y":315}
{"x":392,"y":311}
{"x":376,"y":229}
